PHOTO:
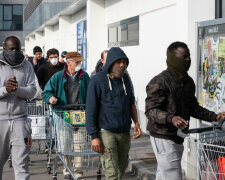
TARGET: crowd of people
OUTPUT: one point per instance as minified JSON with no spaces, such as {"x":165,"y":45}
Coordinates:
{"x":110,"y":105}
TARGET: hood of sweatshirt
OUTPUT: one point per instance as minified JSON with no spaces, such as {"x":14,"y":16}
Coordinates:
{"x":8,"y":58}
{"x":114,"y":54}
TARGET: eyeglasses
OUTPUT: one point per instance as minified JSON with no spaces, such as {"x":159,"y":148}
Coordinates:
{"x":76,"y":62}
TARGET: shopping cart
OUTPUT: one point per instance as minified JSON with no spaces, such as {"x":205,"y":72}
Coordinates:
{"x":39,"y":114}
{"x":73,"y":144}
{"x":210,"y":147}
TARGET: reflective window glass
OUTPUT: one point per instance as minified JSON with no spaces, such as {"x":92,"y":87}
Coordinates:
{"x":1,"y":12}
{"x":7,"y":12}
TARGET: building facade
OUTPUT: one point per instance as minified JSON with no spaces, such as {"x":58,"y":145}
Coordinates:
{"x":11,"y":20}
{"x":142,"y":28}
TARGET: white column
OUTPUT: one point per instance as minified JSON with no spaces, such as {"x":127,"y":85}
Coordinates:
{"x":65,"y":34}
{"x":96,"y":30}
{"x":48,"y":33}
{"x":39,"y":40}
{"x":32,"y":44}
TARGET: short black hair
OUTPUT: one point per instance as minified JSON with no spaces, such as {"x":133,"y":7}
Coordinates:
{"x":105,"y":51}
{"x":52,"y":51}
{"x":177,"y":44}
{"x":15,"y":39}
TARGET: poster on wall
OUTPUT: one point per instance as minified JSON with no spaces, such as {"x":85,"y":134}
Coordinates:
{"x":211,"y":89}
{"x":82,"y":42}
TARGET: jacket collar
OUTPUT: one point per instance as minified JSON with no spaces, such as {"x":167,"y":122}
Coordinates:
{"x":80,"y":73}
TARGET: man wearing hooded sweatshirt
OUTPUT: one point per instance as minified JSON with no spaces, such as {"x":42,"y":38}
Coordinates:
{"x":169,"y":104}
{"x":109,"y":109}
{"x":17,"y":84}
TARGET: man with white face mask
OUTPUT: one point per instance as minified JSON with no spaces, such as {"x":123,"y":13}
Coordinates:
{"x":68,"y":86}
{"x":46,"y":71}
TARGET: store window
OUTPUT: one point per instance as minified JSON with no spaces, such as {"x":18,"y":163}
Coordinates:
{"x":11,"y":17}
{"x":124,"y":33}
{"x":211,"y":66}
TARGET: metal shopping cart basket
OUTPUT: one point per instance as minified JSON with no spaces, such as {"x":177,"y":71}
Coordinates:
{"x":73,"y":144}
{"x":210,"y":147}
{"x":39,"y":114}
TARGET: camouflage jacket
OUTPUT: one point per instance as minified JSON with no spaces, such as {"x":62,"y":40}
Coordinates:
{"x":167,"y":98}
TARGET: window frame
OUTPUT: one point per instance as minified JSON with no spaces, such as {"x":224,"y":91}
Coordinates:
{"x":3,"y":20}
{"x":118,"y":26}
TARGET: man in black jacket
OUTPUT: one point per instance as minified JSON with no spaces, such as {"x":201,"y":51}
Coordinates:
{"x":100,"y":64}
{"x":37,"y":61}
{"x":169,"y":104}
{"x":46,"y":71}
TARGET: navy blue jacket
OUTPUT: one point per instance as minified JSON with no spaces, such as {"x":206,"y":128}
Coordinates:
{"x":40,"y":62}
{"x":109,"y":109}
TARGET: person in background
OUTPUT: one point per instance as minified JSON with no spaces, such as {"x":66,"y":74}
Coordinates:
{"x":27,"y":57}
{"x":63,"y":57}
{"x":17,"y":85}
{"x":46,"y":71}
{"x":38,"y":60}
{"x":100,"y":64}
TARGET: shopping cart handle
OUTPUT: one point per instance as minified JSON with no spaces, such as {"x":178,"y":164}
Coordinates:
{"x":199,"y":130}
{"x":70,"y":106}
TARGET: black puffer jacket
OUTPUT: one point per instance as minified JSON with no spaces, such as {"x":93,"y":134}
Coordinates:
{"x":167,"y":98}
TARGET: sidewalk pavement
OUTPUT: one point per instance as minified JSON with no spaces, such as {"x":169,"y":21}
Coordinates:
{"x":142,"y":165}
{"x":142,"y":159}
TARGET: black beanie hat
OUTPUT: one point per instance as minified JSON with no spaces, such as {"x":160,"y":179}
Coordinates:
{"x":37,"y":49}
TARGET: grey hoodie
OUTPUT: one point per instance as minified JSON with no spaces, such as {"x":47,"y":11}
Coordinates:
{"x":14,"y":105}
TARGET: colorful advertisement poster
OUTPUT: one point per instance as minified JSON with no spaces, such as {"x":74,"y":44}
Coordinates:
{"x":211,"y":88}
{"x":222,"y":48}
{"x":82,"y":42}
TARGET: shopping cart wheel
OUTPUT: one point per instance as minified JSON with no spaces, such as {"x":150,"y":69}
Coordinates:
{"x":99,"y":177}
{"x":49,"y":170}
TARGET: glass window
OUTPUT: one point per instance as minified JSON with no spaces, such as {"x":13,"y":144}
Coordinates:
{"x":7,"y":12}
{"x":17,"y":10}
{"x":1,"y":12}
{"x":122,"y":33}
{"x":11,"y":17}
{"x":7,"y":25}
{"x":17,"y":17}
{"x":1,"y":25}
{"x":133,"y":31}
{"x":113,"y":34}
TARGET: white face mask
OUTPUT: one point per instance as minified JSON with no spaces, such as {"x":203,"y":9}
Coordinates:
{"x":78,"y":68}
{"x":64,"y":59}
{"x":54,"y":61}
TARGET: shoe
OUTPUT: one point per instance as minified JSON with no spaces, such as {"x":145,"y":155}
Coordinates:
{"x":79,"y":176}
{"x":66,"y":174}
{"x":46,"y":150}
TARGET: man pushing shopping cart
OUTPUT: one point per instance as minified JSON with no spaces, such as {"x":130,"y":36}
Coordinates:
{"x":170,"y":103}
{"x":68,"y":86}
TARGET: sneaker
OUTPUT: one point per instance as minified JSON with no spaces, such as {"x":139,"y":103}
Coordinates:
{"x":66,"y":174}
{"x":79,"y":176}
{"x":46,"y":150}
